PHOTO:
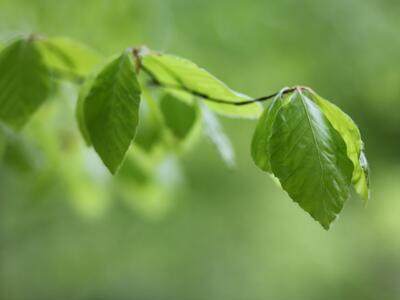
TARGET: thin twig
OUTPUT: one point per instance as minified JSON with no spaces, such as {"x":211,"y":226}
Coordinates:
{"x":182,"y":87}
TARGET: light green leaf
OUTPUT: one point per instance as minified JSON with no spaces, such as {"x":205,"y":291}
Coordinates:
{"x":68,"y":56}
{"x":111,"y":110}
{"x":352,"y":137}
{"x":175,"y":71}
{"x":309,"y":157}
{"x":24,"y":82}
{"x":214,"y":131}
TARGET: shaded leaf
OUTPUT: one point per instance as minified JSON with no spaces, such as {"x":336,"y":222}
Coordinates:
{"x":175,"y":71}
{"x":261,"y":138}
{"x":179,"y":116}
{"x":309,"y":157}
{"x":24,"y":82}
{"x":111,"y":110}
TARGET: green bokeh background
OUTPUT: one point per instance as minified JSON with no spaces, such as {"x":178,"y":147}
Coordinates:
{"x":227,"y":234}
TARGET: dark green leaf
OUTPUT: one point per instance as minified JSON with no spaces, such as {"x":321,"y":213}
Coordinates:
{"x":179,"y":116}
{"x":352,"y":137}
{"x":80,"y":116}
{"x":24,"y":82}
{"x":111,"y":110}
{"x":309,"y":157}
{"x":261,"y":138}
{"x":175,"y":71}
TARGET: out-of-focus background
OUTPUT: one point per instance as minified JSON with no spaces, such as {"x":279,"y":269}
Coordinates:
{"x":196,"y":229}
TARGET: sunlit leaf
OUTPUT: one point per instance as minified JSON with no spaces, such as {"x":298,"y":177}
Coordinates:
{"x":24,"y":82}
{"x":111,"y":110}
{"x":309,"y":157}
{"x":214,"y":131}
{"x":178,"y":72}
{"x":352,"y":137}
{"x":68,"y":56}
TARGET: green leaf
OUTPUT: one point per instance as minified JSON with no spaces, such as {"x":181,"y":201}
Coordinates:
{"x":68,"y":56}
{"x":261,"y":138}
{"x":24,"y":82}
{"x":213,"y":130}
{"x":111,"y":110}
{"x":179,"y":116}
{"x":80,"y":115}
{"x":352,"y":137}
{"x":178,"y":72}
{"x":150,"y":129}
{"x":309,"y":157}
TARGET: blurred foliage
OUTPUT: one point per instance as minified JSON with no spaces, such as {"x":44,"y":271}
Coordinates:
{"x":68,"y":230}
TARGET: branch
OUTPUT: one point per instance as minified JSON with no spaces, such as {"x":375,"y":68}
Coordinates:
{"x":181,"y":87}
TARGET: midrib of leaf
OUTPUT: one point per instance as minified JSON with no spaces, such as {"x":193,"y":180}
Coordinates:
{"x":117,"y":74}
{"x":322,"y":172}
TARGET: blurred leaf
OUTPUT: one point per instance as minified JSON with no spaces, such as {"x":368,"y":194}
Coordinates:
{"x":213,"y":130}
{"x":172,"y":70}
{"x":20,"y":155}
{"x":68,"y":56}
{"x":111,"y":110}
{"x":149,"y":188}
{"x":178,"y":116}
{"x":150,"y":129}
{"x":24,"y":82}
{"x":309,"y":157}
{"x":352,"y":137}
